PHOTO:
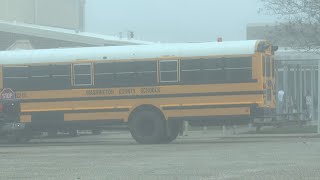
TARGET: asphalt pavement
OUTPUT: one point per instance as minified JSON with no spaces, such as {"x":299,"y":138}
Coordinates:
{"x":200,"y":155}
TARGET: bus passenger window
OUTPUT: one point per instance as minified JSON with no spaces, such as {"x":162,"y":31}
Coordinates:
{"x":213,"y":70}
{"x":239,"y":69}
{"x":122,"y":74}
{"x":168,"y":71}
{"x":82,"y":74}
{"x":191,"y":71}
{"x":16,"y":77}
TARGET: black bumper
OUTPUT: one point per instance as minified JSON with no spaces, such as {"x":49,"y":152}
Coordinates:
{"x":8,"y":128}
{"x":263,"y":112}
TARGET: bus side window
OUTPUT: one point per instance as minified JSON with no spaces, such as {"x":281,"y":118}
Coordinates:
{"x":82,"y":74}
{"x":239,"y":69}
{"x":16,"y":77}
{"x":213,"y":70}
{"x":191,"y":72}
{"x":168,"y":71}
{"x":122,"y":74}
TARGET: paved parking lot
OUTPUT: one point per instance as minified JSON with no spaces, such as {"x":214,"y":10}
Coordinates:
{"x":197,"y":156}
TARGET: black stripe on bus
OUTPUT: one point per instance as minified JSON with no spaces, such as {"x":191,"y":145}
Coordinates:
{"x":81,"y":124}
{"x":215,"y":120}
{"x":206,"y":106}
{"x":84,"y":111}
{"x":146,"y":96}
{"x":69,"y":87}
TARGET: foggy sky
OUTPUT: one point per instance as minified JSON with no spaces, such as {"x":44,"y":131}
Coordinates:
{"x":174,"y":20}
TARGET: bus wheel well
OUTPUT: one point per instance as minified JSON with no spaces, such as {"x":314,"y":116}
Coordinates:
{"x":146,"y":107}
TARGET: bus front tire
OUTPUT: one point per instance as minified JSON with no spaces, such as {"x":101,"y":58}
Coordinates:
{"x":147,"y":126}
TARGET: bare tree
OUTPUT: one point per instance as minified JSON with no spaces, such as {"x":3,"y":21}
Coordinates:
{"x":298,"y":22}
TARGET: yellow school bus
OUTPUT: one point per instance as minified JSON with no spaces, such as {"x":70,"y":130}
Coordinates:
{"x":151,"y":88}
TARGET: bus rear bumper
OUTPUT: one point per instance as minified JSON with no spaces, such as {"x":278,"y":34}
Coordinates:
{"x":263,"y":115}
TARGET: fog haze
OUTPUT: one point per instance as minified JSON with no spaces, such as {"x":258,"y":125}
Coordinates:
{"x":174,"y":20}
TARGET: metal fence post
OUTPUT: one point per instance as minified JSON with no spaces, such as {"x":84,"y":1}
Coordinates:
{"x":318,"y":97}
{"x":313,"y":82}
{"x":301,"y":88}
{"x":286,"y":71}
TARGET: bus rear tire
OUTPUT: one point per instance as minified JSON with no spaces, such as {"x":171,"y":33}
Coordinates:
{"x":173,"y":130}
{"x":147,"y":126}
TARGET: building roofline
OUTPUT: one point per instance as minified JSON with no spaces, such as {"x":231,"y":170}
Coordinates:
{"x":66,"y":34}
{"x":260,"y":24}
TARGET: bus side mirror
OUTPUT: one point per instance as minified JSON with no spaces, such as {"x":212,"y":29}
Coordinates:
{"x":274,"y":49}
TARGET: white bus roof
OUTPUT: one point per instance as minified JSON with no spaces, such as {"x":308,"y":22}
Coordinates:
{"x":129,"y":52}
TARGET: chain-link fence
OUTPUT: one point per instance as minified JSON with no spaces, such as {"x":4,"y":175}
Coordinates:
{"x":297,"y":76}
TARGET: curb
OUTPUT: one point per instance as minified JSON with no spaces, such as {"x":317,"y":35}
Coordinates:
{"x":311,"y":135}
